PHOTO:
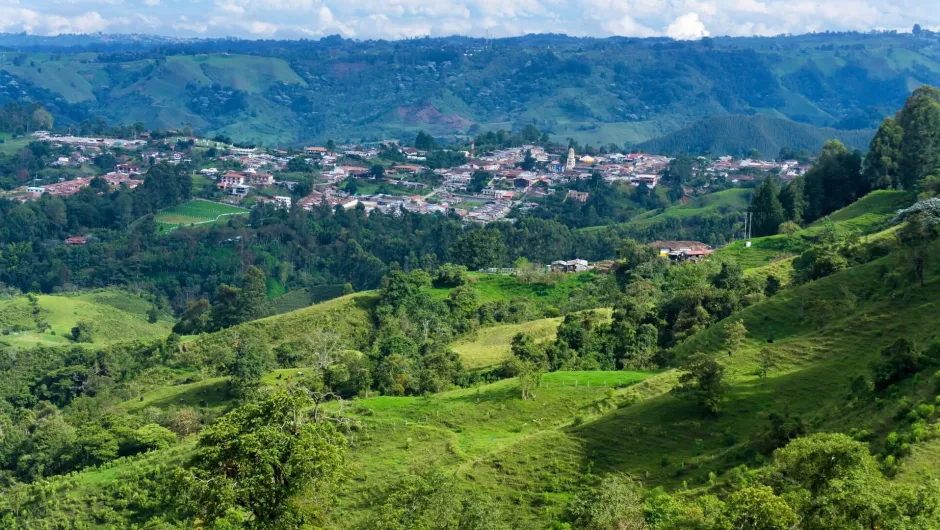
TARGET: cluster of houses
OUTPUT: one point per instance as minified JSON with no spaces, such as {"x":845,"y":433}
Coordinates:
{"x":514,"y":177}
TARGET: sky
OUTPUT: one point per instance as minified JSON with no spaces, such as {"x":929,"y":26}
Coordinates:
{"x":400,"y":19}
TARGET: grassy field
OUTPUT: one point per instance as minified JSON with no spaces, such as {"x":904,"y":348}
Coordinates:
{"x":348,"y":315}
{"x":666,"y":442}
{"x":115,"y":316}
{"x":866,"y":217}
{"x":197,"y":212}
{"x":490,"y":346}
{"x":464,"y":428}
{"x":496,"y":287}
{"x":10,"y":145}
{"x":719,"y":203}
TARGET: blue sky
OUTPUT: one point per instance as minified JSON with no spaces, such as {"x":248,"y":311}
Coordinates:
{"x":396,"y":19}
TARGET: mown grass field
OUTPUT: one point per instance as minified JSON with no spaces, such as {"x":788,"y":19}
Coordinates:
{"x":115,"y":315}
{"x":197,"y":212}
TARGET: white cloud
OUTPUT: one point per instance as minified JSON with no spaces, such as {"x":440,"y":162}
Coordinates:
{"x":13,"y":19}
{"x":687,"y":27}
{"x":683,"y":19}
{"x":625,"y":26}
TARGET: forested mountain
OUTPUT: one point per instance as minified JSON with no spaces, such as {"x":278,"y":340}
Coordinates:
{"x":596,"y":90}
{"x":736,"y":135}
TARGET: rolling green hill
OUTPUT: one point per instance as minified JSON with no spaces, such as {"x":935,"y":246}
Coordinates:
{"x":731,"y":135}
{"x":596,"y":91}
{"x":865,"y":218}
{"x":530,"y":455}
{"x":114,"y":315}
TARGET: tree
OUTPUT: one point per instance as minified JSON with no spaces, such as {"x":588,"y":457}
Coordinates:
{"x":920,"y":146}
{"x":429,"y":499}
{"x":352,"y":186}
{"x":530,"y":134}
{"x":528,"y":163}
{"x":253,"y":462}
{"x":450,"y":275}
{"x":481,"y":248}
{"x":702,"y":381}
{"x":793,"y":199}
{"x":529,"y":376}
{"x":83,"y":332}
{"x":425,"y":142}
{"x":735,"y":333}
{"x":41,"y":119}
{"x":194,"y":319}
{"x":400,"y":288}
{"x":153,"y":315}
{"x":834,"y":182}
{"x":249,"y":364}
{"x":898,"y":361}
{"x":754,"y":154}
{"x":479,"y":180}
{"x":253,"y":295}
{"x":377,"y":171}
{"x":921,"y":228}
{"x":882,"y":162}
{"x":758,"y":508}
{"x":616,"y":504}
{"x":767,"y":360}
{"x":299,"y":165}
{"x":152,"y":437}
{"x":767,"y":210}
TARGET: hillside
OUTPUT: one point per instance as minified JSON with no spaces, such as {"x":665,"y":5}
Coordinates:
{"x":529,"y":455}
{"x":594,"y":90}
{"x":767,"y":134}
{"x":864,"y":218}
{"x":114,"y":316}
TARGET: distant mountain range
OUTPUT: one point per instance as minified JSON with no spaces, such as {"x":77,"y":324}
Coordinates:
{"x":614,"y":90}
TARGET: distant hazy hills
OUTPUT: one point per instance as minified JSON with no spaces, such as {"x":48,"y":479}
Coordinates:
{"x":612,"y":90}
{"x":738,"y":134}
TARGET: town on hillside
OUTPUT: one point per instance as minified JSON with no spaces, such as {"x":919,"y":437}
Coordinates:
{"x":479,"y":187}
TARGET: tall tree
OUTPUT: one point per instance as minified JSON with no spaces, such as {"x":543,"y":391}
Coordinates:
{"x":254,"y":461}
{"x":254,"y":294}
{"x":835,"y":181}
{"x":767,"y":210}
{"x":920,"y":148}
{"x":882,"y":162}
{"x":703,"y":382}
{"x":793,"y":199}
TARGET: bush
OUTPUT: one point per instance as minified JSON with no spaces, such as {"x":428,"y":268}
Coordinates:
{"x":82,"y":332}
